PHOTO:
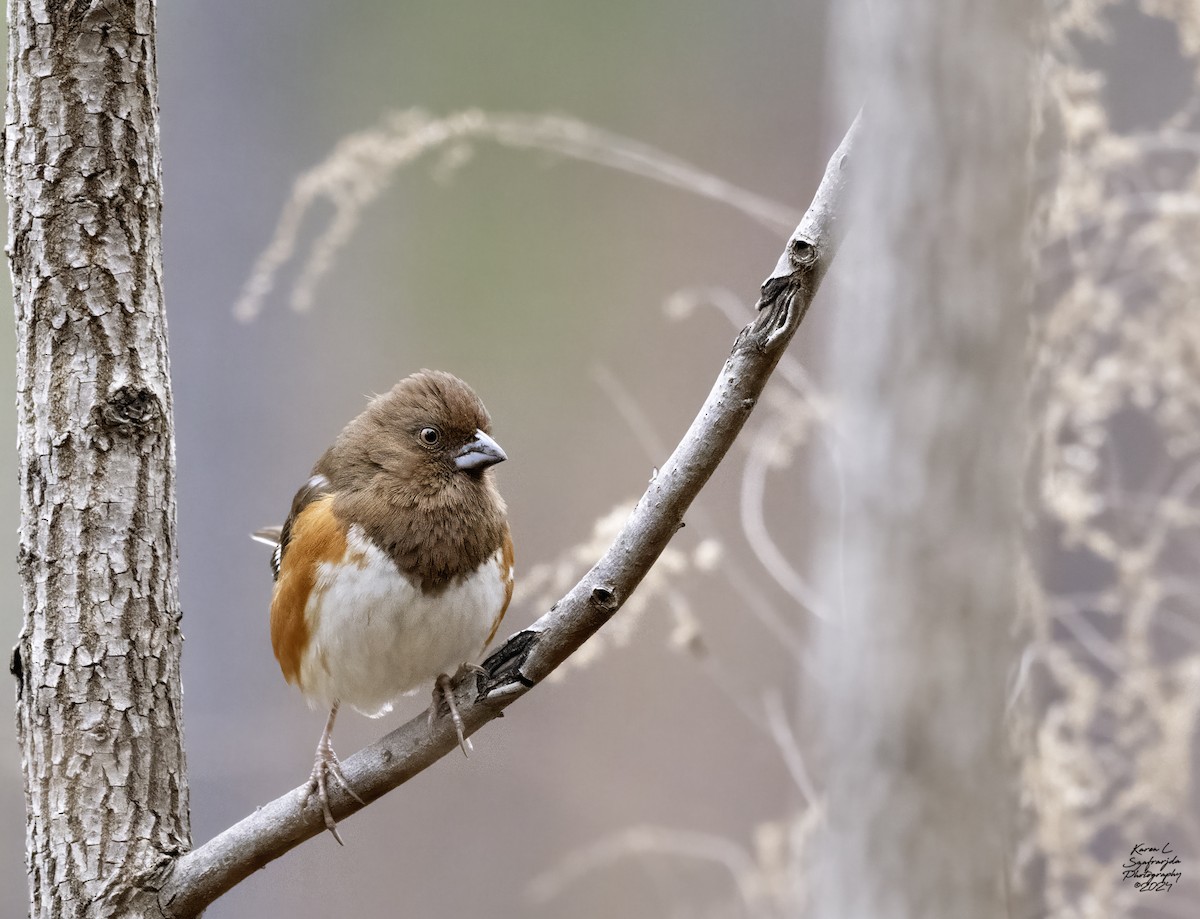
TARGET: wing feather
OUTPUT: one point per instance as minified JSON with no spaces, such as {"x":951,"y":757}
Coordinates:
{"x":279,"y":536}
{"x":506,"y":572}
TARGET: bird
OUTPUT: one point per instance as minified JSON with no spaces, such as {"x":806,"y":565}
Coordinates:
{"x":395,"y":565}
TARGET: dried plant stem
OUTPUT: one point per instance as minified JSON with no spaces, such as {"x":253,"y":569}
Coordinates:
{"x":648,"y":840}
{"x":199,"y":877}
{"x":361,"y":167}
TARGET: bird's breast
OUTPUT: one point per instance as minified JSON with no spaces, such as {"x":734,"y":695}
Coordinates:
{"x":375,"y":635}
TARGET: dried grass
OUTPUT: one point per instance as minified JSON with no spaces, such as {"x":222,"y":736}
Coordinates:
{"x":1113,"y":690}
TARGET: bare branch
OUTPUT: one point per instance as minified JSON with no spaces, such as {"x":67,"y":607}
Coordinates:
{"x":754,"y":600}
{"x":528,"y":657}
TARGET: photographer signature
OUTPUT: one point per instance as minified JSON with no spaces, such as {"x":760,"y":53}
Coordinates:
{"x":1152,"y":868}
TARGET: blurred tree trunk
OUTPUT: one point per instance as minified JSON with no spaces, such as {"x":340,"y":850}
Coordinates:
{"x":97,"y":665}
{"x":928,"y":364}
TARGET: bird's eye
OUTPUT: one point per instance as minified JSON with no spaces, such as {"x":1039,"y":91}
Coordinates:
{"x":430,"y":436}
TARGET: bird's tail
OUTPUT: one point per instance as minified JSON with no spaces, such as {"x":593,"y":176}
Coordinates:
{"x":268,"y":536}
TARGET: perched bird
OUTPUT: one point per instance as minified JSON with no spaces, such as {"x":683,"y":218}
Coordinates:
{"x":395,"y":565}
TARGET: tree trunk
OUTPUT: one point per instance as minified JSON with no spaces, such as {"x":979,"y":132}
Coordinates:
{"x":927,"y":365}
{"x":97,"y":666}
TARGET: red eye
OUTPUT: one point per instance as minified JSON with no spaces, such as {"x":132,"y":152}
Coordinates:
{"x":430,"y":436}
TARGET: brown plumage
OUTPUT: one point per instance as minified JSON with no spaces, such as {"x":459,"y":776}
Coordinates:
{"x":395,"y":564}
{"x":454,"y":520}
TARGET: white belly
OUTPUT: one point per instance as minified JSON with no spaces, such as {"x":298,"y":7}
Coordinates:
{"x":376,"y":637}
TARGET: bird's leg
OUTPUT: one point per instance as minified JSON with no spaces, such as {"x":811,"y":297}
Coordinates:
{"x":443,"y":688}
{"x":326,"y":763}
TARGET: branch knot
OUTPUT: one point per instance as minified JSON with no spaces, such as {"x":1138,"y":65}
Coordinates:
{"x":802,"y":253}
{"x":604,"y":600}
{"x":129,"y":411}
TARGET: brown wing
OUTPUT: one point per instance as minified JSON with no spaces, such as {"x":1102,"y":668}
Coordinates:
{"x":314,"y":488}
{"x":506,"y":572}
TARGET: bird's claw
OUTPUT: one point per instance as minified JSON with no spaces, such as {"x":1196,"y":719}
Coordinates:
{"x":327,"y":764}
{"x":443,"y":689}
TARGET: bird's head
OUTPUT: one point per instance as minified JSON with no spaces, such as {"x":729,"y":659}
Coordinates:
{"x":429,"y":434}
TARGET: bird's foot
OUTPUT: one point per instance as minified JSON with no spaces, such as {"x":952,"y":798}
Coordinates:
{"x":443,"y":689}
{"x":327,"y":764}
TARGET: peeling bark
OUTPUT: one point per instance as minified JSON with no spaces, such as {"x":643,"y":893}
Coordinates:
{"x":99,"y":718}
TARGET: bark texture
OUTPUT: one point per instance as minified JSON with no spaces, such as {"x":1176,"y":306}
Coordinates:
{"x":97,"y":664}
{"x":928,"y":365}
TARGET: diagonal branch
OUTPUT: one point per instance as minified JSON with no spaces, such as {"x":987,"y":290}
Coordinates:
{"x":193,"y":881}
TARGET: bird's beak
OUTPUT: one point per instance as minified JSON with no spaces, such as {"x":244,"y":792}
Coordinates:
{"x":479,"y":453}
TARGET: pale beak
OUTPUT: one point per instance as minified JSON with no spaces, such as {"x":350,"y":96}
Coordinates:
{"x":479,"y":453}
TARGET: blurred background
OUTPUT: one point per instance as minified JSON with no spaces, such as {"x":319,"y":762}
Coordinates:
{"x":591,"y":310}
